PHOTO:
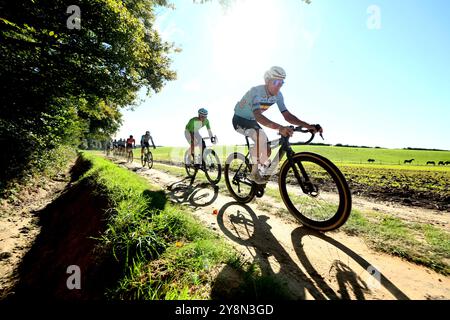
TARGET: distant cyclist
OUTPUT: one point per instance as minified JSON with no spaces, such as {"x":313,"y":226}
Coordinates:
{"x":145,"y":143}
{"x":192,"y":135}
{"x":130,"y":143}
{"x":248,"y":114}
{"x":121,"y":144}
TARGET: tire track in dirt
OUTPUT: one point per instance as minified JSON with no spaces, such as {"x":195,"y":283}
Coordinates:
{"x":312,"y":265}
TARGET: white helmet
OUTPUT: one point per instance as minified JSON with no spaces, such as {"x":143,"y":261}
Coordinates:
{"x":275,"y":73}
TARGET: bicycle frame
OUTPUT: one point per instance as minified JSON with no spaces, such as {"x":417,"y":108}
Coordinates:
{"x":204,"y":147}
{"x":146,"y":151}
{"x":285,"y":149}
{"x":203,"y":166}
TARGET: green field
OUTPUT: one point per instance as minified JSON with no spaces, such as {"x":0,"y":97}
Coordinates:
{"x":335,"y":154}
{"x":387,"y":179}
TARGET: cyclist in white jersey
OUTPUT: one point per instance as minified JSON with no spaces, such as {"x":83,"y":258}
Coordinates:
{"x":248,"y":114}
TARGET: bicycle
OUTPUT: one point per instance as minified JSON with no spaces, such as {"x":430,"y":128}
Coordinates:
{"x":210,"y":163}
{"x":147,"y":159}
{"x":312,"y":188}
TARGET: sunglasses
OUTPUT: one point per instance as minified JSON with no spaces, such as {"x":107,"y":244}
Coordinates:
{"x":278,"y":82}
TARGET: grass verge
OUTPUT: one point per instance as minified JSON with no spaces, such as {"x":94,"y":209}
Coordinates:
{"x":164,"y":252}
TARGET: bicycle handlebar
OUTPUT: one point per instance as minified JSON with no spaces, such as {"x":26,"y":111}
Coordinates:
{"x":213,"y":138}
{"x":304,"y":130}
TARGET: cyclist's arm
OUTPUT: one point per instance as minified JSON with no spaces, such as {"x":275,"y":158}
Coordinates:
{"x":260,"y":118}
{"x":289,"y":117}
{"x":208,"y":127}
{"x":152,"y":142}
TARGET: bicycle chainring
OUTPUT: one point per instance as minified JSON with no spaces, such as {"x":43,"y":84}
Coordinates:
{"x":260,"y":190}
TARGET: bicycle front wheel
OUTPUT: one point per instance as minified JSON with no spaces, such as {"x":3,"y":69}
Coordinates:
{"x":325,"y":204}
{"x":213,"y":169}
{"x":237,"y":169}
{"x":130,"y":156}
{"x":149,"y":159}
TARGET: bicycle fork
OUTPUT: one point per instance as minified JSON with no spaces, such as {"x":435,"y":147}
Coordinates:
{"x":307,"y":186}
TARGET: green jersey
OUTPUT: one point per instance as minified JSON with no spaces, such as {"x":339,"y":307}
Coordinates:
{"x":195,"y":124}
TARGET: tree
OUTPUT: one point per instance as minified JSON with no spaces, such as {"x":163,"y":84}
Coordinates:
{"x":60,"y":84}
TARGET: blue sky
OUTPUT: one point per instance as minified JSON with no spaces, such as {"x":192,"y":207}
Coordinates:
{"x":373,"y":73}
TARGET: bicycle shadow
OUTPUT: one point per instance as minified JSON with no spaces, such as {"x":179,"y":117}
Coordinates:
{"x":240,"y":223}
{"x":196,"y":195}
{"x":345,"y":275}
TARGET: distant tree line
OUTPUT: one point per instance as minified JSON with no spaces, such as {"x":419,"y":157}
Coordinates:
{"x":353,"y":146}
{"x":424,"y":149}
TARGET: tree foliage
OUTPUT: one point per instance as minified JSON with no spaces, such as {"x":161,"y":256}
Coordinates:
{"x":61,"y":84}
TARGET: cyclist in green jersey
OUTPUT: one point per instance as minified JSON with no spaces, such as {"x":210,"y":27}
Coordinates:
{"x":192,"y":135}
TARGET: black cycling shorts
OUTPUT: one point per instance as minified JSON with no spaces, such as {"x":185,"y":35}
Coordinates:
{"x":241,"y":124}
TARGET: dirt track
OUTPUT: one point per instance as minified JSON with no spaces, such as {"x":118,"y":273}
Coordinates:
{"x":313,"y":265}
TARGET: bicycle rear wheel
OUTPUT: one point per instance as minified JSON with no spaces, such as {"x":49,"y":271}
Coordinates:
{"x":237,"y":169}
{"x":213,"y":169}
{"x":327,"y":203}
{"x":189,"y":163}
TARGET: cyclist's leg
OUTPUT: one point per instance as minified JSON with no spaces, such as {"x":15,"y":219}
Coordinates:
{"x":187,"y":135}
{"x":145,"y":147}
{"x":198,"y":148}
{"x":261,"y":146}
{"x":258,"y":151}
{"x":253,"y":130}
{"x":128,"y":149}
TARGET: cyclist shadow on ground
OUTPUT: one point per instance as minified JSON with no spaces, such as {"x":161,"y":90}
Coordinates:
{"x":240,"y":223}
{"x":197,"y":195}
{"x":345,"y":275}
